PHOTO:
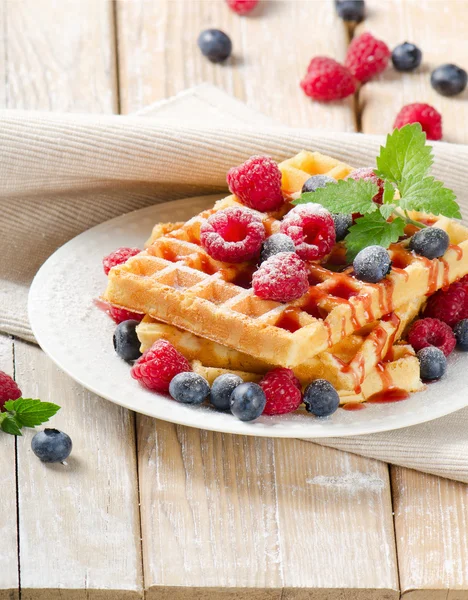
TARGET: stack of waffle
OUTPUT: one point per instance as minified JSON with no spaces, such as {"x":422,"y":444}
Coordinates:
{"x":343,"y":330}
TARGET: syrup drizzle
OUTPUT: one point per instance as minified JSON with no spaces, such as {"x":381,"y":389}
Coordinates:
{"x":458,"y":251}
{"x":353,"y":406}
{"x":289,"y":320}
{"x":446,"y":278}
{"x":387,"y":396}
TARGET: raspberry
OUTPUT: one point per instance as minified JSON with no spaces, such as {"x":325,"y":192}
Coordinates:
{"x":425,"y":114}
{"x":282,"y":390}
{"x":257,"y":183}
{"x":8,"y":389}
{"x":119,"y":315}
{"x":432,"y":332}
{"x":242,"y":7}
{"x":451,"y":305}
{"x":159,"y":365}
{"x":367,"y":57}
{"x":312,"y":229}
{"x":367,"y":174}
{"x":118,"y":257}
{"x":233,"y":235}
{"x":283,"y":277}
{"x":327,"y":80}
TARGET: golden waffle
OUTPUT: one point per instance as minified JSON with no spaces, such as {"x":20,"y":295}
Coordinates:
{"x":175,"y":281}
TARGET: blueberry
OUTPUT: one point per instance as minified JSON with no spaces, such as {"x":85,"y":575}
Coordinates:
{"x":189,"y":388}
{"x":461,"y":333}
{"x":320,"y":398}
{"x":222,"y":388}
{"x":276,"y":243}
{"x":430,"y":242}
{"x":126,"y":342}
{"x":51,"y":445}
{"x":432,"y":363}
{"x":372,"y":264}
{"x":350,"y":10}
{"x":406,"y":57}
{"x":449,"y":80}
{"x":342,"y":225}
{"x":247,"y":401}
{"x":215,"y":45}
{"x":315,"y":182}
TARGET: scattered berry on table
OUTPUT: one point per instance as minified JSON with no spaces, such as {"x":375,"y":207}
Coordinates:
{"x":432,"y":332}
{"x":242,"y":7}
{"x":451,"y":305}
{"x":367,"y":174}
{"x":320,"y":398}
{"x":233,"y":235}
{"x":276,"y":243}
{"x":351,"y":10}
{"x":326,"y":80}
{"x":222,"y":389}
{"x":449,"y":80}
{"x":367,"y":57}
{"x":432,"y":363}
{"x":430,"y":242}
{"x":342,"y":225}
{"x":257,"y":183}
{"x":406,"y":57}
{"x":189,"y":388}
{"x":51,"y":445}
{"x":317,"y":181}
{"x":425,"y":114}
{"x":461,"y":334}
{"x":126,"y":342}
{"x":283,"y":277}
{"x":247,"y":401}
{"x":372,"y":264}
{"x":119,"y":315}
{"x":9,"y":389}
{"x":159,"y":365}
{"x":118,"y":257}
{"x":282,"y":390}
{"x":312,"y":229}
{"x":215,"y":45}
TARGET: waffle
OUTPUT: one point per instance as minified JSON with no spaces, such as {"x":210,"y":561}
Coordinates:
{"x":175,"y":281}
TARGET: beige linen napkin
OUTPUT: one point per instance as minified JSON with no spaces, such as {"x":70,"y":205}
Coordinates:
{"x":61,"y":174}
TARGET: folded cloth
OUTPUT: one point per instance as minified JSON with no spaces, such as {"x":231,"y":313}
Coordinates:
{"x":61,"y":174}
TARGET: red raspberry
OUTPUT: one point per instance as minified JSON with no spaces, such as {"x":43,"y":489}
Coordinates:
{"x":257,"y":183}
{"x":118,"y":257}
{"x":312,"y":229}
{"x":432,"y":332}
{"x":367,"y":57}
{"x":451,"y":305}
{"x":282,"y":390}
{"x":327,"y":80}
{"x":425,"y":114}
{"x":156,"y":368}
{"x":283,"y":277}
{"x":367,"y":174}
{"x":121,"y":314}
{"x":233,"y":235}
{"x":242,"y":7}
{"x":8,"y":389}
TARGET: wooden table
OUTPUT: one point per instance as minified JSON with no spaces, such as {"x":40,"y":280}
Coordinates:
{"x":151,"y":509}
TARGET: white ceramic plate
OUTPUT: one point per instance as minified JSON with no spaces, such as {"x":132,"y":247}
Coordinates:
{"x":78,"y":337}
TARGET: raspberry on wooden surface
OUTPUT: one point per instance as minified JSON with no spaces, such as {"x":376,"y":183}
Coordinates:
{"x":367,"y":57}
{"x":242,"y":7}
{"x":282,"y":390}
{"x":159,"y":365}
{"x":425,"y":114}
{"x":9,"y":390}
{"x":326,"y":80}
{"x":257,"y":183}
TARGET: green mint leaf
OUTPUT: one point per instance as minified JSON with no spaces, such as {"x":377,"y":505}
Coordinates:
{"x":429,"y":195}
{"x":372,"y":230}
{"x":344,"y":197}
{"x":387,"y":209}
{"x":404,"y":155}
{"x":10,"y":425}
{"x":29,"y":412}
{"x":8,"y":405}
{"x":388,"y":194}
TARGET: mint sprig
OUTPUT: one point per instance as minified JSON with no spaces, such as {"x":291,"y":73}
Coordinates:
{"x":350,"y":196}
{"x":25,"y":412}
{"x":372,"y":230}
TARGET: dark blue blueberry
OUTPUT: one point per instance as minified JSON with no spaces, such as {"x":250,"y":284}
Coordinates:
{"x":320,"y":398}
{"x":406,"y":57}
{"x":342,"y":225}
{"x":222,"y":388}
{"x":276,"y":243}
{"x":51,"y":445}
{"x":350,"y":10}
{"x":189,"y":388}
{"x":247,"y":401}
{"x":432,"y":363}
{"x":461,"y":333}
{"x":215,"y":45}
{"x":449,"y":80}
{"x":372,"y":264}
{"x":430,"y":242}
{"x":315,"y":182}
{"x":126,"y":342}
